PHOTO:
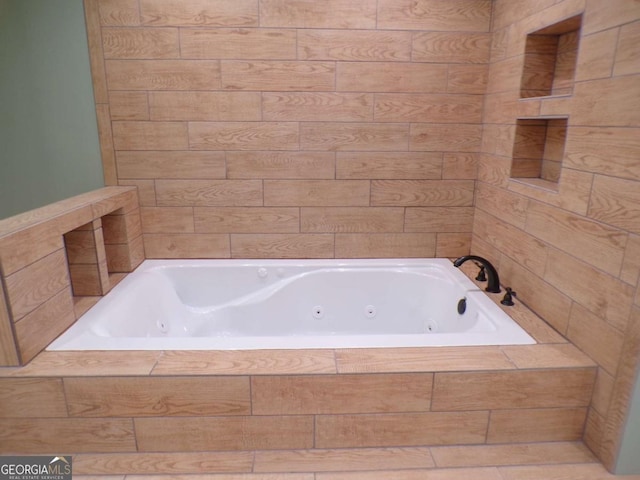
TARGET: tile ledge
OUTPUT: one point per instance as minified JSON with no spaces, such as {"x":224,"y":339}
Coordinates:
{"x":49,"y":212}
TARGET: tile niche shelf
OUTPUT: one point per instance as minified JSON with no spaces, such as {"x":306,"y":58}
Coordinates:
{"x":538,"y":150}
{"x":550,"y":59}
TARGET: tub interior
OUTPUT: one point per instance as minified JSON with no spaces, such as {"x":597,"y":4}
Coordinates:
{"x":205,"y":305}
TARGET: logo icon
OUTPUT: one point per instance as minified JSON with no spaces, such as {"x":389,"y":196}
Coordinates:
{"x":35,"y":468}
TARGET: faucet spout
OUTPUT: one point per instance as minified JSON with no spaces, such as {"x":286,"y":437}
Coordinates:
{"x":493,"y":280}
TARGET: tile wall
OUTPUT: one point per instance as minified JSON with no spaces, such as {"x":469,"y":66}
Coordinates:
{"x":271,"y":128}
{"x":572,"y":251}
{"x":265,"y":128}
{"x":53,"y":257}
{"x":117,"y":411}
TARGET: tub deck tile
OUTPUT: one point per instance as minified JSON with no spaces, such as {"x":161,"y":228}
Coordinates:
{"x":351,"y":459}
{"x":488,"y":473}
{"x":593,"y":471}
{"x":406,"y":429}
{"x":554,"y":355}
{"x":224,"y":476}
{"x":89,"y":363}
{"x":335,"y":394}
{"x":422,"y":359}
{"x":512,"y":454}
{"x":534,"y":325}
{"x":245,"y":362}
{"x":101,"y":477}
{"x":162,"y":463}
{"x":157,"y":396}
{"x":548,"y":458}
{"x":548,"y":388}
{"x":250,"y":432}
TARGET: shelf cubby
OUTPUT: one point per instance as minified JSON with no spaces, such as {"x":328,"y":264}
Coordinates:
{"x":550,"y":59}
{"x":538,"y":149}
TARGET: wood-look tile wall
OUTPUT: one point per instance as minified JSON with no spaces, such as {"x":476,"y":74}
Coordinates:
{"x":313,"y":405}
{"x":572,"y":253}
{"x":52,"y":256}
{"x":265,"y":128}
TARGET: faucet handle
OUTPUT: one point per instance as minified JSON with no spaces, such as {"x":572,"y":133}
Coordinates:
{"x":508,"y":297}
{"x":481,"y":277}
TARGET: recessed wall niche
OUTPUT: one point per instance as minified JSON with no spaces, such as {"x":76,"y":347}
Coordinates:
{"x":550,"y":59}
{"x":538,"y":149}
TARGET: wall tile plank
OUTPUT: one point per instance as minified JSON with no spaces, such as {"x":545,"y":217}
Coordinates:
{"x":453,"y":15}
{"x":247,"y":219}
{"x":310,"y":14}
{"x":224,"y":433}
{"x":280,"y":245}
{"x":532,"y":425}
{"x":204,"y":106}
{"x":331,"y":394}
{"x":161,"y":463}
{"x":351,"y":219}
{"x":32,"y":397}
{"x":401,"y":107}
{"x":310,"y":193}
{"x":626,"y":55}
{"x":276,"y":75}
{"x":354,"y":136}
{"x":616,"y":202}
{"x":162,"y":74}
{"x":399,"y":77}
{"x":451,"y":47}
{"x":608,"y":151}
{"x":429,"y":137}
{"x":354,"y":45}
{"x":150,"y":135}
{"x":186,"y":246}
{"x":119,"y":13}
{"x":385,"y":245}
{"x":471,"y":79}
{"x":432,"y":193}
{"x":281,"y":165}
{"x":521,"y":389}
{"x":159,"y":396}
{"x":128,"y":105}
{"x":218,"y":13}
{"x":341,"y":431}
{"x":37,"y":435}
{"x":203,"y":193}
{"x":596,"y":243}
{"x":165,"y":164}
{"x":438,"y":219}
{"x":30,"y":287}
{"x":167,"y":219}
{"x":392,"y":165}
{"x":243,"y":135}
{"x":134,"y":43}
{"x":238,"y":43}
{"x":341,"y":107}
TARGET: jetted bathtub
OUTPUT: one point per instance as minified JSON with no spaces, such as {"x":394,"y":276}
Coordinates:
{"x":269,"y":304}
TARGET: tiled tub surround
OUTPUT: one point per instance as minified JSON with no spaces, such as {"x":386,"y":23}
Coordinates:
{"x":242,"y":411}
{"x":271,"y":129}
{"x":541,"y":259}
{"x":571,"y":247}
{"x":51,"y":258}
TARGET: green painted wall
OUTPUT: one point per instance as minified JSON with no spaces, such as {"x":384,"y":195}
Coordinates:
{"x":49,"y":148}
{"x":629,"y":457}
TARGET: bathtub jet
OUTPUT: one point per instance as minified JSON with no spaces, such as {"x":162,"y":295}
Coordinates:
{"x":292,"y":304}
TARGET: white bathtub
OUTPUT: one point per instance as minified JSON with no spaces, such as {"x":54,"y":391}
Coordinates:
{"x":269,"y":304}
